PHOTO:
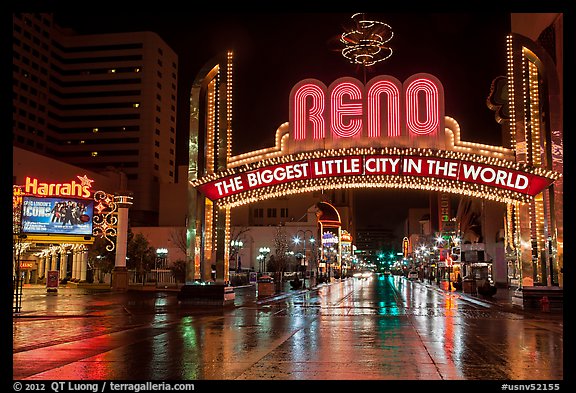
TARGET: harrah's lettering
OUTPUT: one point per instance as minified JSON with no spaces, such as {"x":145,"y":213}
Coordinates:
{"x":81,"y":189}
{"x":383,"y":108}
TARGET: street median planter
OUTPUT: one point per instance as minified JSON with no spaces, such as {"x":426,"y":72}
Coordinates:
{"x":206,"y":294}
{"x":469,"y":285}
{"x":265,"y":286}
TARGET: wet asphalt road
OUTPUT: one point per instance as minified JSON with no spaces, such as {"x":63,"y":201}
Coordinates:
{"x":385,"y":328}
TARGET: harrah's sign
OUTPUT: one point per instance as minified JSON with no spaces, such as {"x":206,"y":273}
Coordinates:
{"x":383,"y":108}
{"x":81,"y":189}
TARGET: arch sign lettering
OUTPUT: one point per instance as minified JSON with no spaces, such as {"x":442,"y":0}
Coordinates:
{"x":385,"y":134}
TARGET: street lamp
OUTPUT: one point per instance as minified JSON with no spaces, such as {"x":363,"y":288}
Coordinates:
{"x":161,"y":254}
{"x":264,"y":251}
{"x":236,"y":246}
{"x":296,"y":240}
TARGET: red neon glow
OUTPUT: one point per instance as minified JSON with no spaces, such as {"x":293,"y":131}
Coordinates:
{"x":358,"y":111}
{"x":431,"y":115}
{"x":393,"y":94}
{"x":314,"y":115}
{"x":340,"y":110}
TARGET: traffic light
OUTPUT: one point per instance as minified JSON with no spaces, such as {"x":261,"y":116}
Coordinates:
{"x":455,"y":254}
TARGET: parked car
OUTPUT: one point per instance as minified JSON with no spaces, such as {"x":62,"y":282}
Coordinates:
{"x":412,"y":275}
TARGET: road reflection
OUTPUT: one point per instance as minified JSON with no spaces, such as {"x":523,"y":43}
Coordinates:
{"x":375,"y":328}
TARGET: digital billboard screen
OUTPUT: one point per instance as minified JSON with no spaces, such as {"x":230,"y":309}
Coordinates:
{"x":57,"y":215}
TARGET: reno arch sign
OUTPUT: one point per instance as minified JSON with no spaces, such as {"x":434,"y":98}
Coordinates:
{"x":348,"y":113}
{"x":372,"y":165}
{"x":384,"y":134}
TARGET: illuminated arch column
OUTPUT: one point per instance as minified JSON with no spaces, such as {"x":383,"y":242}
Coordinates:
{"x":525,"y":240}
{"x":215,"y":227}
{"x":536,"y":136}
{"x":120,"y":273}
{"x":226,"y":245}
{"x":210,"y":119}
{"x":221,"y":230}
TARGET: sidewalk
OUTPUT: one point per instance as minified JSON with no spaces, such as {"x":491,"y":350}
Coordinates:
{"x":502,"y":299}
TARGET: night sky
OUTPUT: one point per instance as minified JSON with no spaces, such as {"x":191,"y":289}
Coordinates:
{"x":274,"y":51}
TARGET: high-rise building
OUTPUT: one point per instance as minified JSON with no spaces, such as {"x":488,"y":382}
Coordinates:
{"x":103,"y":102}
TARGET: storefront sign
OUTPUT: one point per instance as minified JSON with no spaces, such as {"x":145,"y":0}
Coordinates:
{"x":329,"y":239}
{"x":81,"y":189}
{"x":26,"y":265}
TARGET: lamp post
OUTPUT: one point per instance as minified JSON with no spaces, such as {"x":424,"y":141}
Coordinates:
{"x":236,"y":246}
{"x":296,"y":240}
{"x":439,"y":242}
{"x":161,"y":254}
{"x":264,"y":251}
{"x":455,"y":242}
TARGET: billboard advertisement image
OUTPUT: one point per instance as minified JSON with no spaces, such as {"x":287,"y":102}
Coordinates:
{"x":57,"y":215}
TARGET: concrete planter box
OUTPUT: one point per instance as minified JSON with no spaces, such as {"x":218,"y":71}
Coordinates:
{"x":209,"y":294}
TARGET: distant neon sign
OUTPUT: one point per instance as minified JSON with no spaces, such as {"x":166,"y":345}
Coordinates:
{"x":405,"y":247}
{"x":81,"y":189}
{"x":384,"y":107}
{"x":367,"y":165}
{"x":329,"y":239}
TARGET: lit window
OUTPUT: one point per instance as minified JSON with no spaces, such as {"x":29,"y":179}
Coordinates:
{"x":94,"y":154}
{"x":95,"y":130}
{"x":136,"y":105}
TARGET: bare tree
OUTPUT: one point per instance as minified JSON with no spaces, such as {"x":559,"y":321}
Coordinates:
{"x":178,"y":237}
{"x":238,"y":233}
{"x":279,"y":261}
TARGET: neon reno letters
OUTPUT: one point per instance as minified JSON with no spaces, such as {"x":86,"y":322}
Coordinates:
{"x":384,"y":107}
{"x":364,"y":166}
